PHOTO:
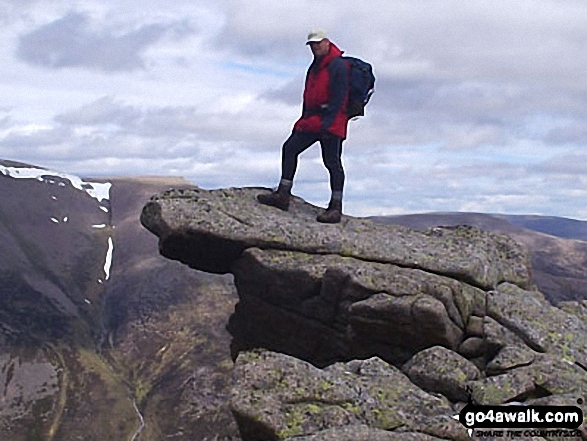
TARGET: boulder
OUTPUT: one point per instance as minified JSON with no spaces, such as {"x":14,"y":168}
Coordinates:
{"x":442,"y":371}
{"x":543,"y":327}
{"x":577,"y":308}
{"x":278,"y":397}
{"x":355,"y":307}
{"x":510,"y":357}
{"x":548,"y":375}
{"x":497,"y":337}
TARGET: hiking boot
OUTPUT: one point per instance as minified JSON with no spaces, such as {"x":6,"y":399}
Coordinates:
{"x":278,"y":199}
{"x":332,"y":214}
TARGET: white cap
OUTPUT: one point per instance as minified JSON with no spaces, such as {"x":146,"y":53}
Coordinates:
{"x":316,"y":36}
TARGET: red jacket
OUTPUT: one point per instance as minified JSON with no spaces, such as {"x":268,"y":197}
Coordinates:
{"x":326,"y":95}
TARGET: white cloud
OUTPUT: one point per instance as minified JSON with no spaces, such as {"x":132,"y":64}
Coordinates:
{"x":479,"y":105}
{"x":72,"y":41}
{"x":569,"y":164}
{"x":103,"y":111}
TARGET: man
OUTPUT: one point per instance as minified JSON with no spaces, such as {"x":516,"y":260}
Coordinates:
{"x":324,"y":119}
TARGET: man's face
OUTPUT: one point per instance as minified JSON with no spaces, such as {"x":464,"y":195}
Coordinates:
{"x":320,"y":48}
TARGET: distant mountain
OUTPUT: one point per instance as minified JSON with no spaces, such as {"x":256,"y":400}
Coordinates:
{"x":101,"y":337}
{"x":554,"y":226}
{"x":557,"y":245}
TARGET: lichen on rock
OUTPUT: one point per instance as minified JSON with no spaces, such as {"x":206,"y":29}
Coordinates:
{"x":208,"y":229}
{"x":371,"y":331}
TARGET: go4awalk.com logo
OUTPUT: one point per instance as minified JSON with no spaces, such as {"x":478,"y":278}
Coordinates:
{"x":518,"y":421}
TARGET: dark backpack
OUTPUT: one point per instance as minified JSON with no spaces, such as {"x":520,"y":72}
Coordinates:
{"x":361,"y":86}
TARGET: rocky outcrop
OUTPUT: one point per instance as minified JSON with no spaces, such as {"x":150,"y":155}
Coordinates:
{"x":446,"y":315}
{"x":278,"y":396}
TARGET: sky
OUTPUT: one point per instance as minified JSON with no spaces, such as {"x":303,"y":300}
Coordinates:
{"x":479,"y":106}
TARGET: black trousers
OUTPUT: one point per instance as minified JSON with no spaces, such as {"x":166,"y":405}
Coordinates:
{"x":331,"y":146}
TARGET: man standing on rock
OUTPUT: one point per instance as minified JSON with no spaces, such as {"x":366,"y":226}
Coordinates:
{"x":324,"y":119}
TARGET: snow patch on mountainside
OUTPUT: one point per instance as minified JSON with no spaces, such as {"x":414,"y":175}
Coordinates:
{"x":97,"y":190}
{"x":108,"y":263}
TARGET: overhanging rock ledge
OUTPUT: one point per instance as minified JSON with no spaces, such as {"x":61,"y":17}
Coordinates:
{"x":209,"y":230}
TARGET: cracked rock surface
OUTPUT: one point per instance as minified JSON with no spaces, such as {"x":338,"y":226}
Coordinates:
{"x":358,"y":317}
{"x":186,"y":221}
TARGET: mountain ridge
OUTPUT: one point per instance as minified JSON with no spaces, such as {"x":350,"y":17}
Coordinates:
{"x":556,"y":226}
